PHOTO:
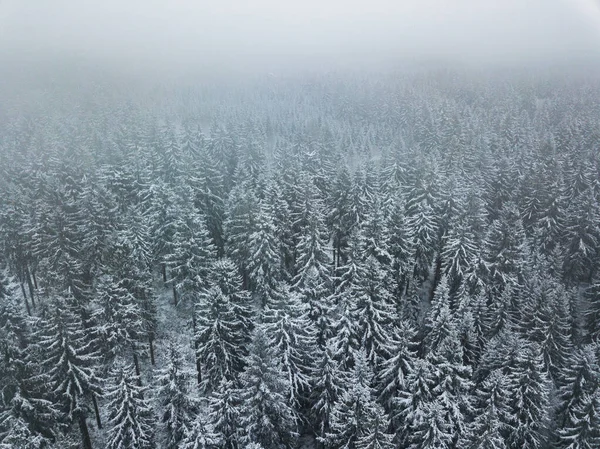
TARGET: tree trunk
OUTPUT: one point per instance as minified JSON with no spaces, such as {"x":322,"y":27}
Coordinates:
{"x":85,"y":434}
{"x":437,"y":275}
{"x":151,"y":343}
{"x":164,"y":272}
{"x":244,"y":280}
{"x":198,"y":365}
{"x":136,"y":364}
{"x":30,"y":284}
{"x":25,"y":299}
{"x":174,"y":295}
{"x":96,"y":411}
{"x":34,"y":280}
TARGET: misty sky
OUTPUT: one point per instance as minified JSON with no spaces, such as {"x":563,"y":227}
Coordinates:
{"x":181,"y":33}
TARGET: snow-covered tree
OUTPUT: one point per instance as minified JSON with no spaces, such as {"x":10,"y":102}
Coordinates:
{"x":265,"y":415}
{"x":69,"y":364}
{"x":492,"y":419}
{"x":177,"y":407}
{"x":131,"y":421}
{"x":219,"y":338}
{"x":328,"y":384}
{"x":356,"y":419}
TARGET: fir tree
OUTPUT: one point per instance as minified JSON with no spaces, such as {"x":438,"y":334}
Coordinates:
{"x":492,"y":419}
{"x":356,"y":415}
{"x":200,"y":435}
{"x":393,"y":373}
{"x":265,"y":415}
{"x":584,"y":429}
{"x":292,"y":335}
{"x":329,"y":382}
{"x":176,"y":404}
{"x":131,"y":422}
{"x":224,"y":414}
{"x":191,"y":256}
{"x":528,"y":386}
{"x":579,"y":379}
{"x":68,"y":361}
{"x":219,"y":338}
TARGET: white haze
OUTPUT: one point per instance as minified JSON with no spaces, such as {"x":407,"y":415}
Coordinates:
{"x":269,"y":35}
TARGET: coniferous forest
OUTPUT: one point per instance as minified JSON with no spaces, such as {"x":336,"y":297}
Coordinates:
{"x":329,"y":260}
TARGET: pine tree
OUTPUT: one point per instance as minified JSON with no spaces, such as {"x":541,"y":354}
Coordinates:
{"x":57,"y":241}
{"x":582,"y":239}
{"x":200,"y":435}
{"x":292,"y":335}
{"x":177,"y":406}
{"x":376,"y":315}
{"x":393,"y":373}
{"x":329,"y":382}
{"x":545,"y":320}
{"x":346,"y":336}
{"x":313,"y":280}
{"x":376,"y":235}
{"x":226,"y":277}
{"x":528,"y":386}
{"x":68,"y":361}
{"x":459,"y":253}
{"x":117,"y":317}
{"x":339,"y":218}
{"x":356,"y":419}
{"x":423,"y":228}
{"x":491,"y":415}
{"x":376,"y":437}
{"x":592,"y":313}
{"x":265,"y":265}
{"x":131,"y":422}
{"x":209,"y":194}
{"x":191,"y":256}
{"x":584,"y":430}
{"x":400,"y":247}
{"x":219,"y":338}
{"x":579,"y":379}
{"x":410,"y":407}
{"x":224,"y":414}
{"x":130,"y":263}
{"x":452,"y":385}
{"x":97,"y":217}
{"x":439,"y":322}
{"x":504,"y":248}
{"x":27,"y":419}
{"x":265,"y":416}
{"x":239,"y":225}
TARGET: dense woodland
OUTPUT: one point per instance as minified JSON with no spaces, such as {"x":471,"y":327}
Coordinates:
{"x":357,"y":261}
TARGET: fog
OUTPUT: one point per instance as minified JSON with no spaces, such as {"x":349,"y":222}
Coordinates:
{"x":162,"y":36}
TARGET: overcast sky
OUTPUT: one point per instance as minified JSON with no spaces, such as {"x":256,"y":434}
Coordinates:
{"x":237,"y":33}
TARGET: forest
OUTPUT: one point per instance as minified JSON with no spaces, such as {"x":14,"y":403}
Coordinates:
{"x":403,"y":259}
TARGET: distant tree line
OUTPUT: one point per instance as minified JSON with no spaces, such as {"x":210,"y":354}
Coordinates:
{"x":359,"y":262}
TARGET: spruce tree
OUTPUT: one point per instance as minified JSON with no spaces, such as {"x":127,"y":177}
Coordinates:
{"x":131,"y":421}
{"x":200,"y":435}
{"x":356,"y":419}
{"x":265,"y":415}
{"x":224,"y":414}
{"x":392,"y":374}
{"x":177,"y":406}
{"x":528,"y":386}
{"x":292,"y":335}
{"x":492,"y":419}
{"x":69,"y":364}
{"x":584,"y":429}
{"x":219,"y":339}
{"x":328,"y":384}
